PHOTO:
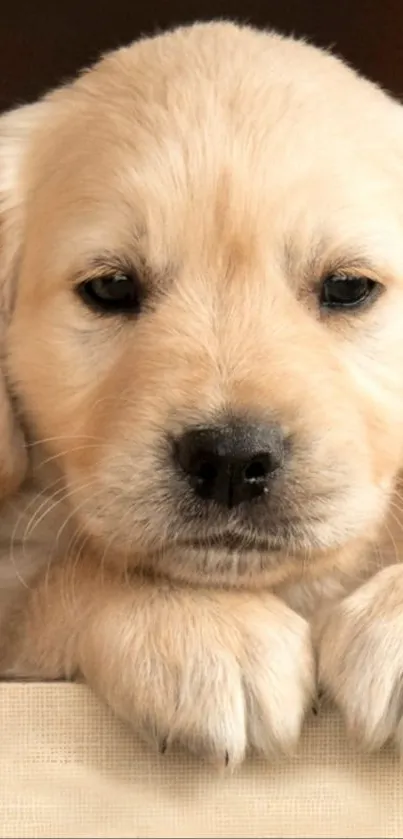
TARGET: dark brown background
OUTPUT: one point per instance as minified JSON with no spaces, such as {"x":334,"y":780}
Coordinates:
{"x":43,"y":42}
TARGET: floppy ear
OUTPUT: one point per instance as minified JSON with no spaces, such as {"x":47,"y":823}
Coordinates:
{"x":16,"y":128}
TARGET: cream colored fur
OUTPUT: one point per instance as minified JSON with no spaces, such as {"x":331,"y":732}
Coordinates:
{"x":232,"y":169}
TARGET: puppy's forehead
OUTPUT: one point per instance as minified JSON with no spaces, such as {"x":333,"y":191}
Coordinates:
{"x":218,"y":134}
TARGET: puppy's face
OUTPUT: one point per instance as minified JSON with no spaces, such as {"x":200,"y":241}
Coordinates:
{"x":207,"y":325}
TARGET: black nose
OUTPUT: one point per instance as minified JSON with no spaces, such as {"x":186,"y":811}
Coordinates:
{"x":230,"y":464}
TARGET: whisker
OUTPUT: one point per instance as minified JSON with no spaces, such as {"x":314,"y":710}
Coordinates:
{"x":21,"y":514}
{"x":42,"y":441}
{"x":73,"y":512}
{"x":67,"y":490}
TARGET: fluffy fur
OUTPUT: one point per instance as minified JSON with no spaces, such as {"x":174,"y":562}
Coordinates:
{"x":232,"y":169}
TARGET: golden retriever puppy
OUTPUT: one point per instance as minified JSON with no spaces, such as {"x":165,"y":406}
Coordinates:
{"x":202,"y":307}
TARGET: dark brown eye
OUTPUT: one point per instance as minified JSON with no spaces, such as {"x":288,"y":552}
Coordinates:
{"x":345,"y":292}
{"x":113,"y":294}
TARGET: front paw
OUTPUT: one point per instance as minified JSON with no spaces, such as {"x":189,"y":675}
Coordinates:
{"x":218,"y":672}
{"x":361,"y":659}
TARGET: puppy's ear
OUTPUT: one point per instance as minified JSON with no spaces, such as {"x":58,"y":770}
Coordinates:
{"x":16,"y":128}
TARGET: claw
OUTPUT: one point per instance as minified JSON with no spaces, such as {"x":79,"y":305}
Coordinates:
{"x":318,"y":701}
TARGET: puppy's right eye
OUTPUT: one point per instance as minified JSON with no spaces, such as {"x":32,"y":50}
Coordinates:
{"x":113,"y":294}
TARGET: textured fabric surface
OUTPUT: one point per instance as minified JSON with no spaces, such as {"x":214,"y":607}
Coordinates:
{"x":68,"y":768}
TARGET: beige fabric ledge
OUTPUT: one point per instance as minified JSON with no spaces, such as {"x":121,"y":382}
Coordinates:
{"x":68,"y":768}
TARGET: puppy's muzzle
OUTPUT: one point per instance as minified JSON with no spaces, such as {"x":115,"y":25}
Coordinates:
{"x":230,"y":464}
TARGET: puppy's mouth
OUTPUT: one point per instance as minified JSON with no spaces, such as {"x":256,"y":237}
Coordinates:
{"x":226,"y":556}
{"x":231,"y":543}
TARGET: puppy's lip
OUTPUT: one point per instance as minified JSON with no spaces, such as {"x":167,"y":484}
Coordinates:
{"x":231,"y":542}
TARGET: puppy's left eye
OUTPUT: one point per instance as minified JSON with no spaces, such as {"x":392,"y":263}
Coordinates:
{"x":345,"y":292}
{"x":112,"y":294}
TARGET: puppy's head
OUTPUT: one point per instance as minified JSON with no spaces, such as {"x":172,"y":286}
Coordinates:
{"x":203,"y":236}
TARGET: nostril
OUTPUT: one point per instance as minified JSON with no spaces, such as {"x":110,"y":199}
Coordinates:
{"x":255,"y":471}
{"x":205,"y":470}
{"x":260,"y":468}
